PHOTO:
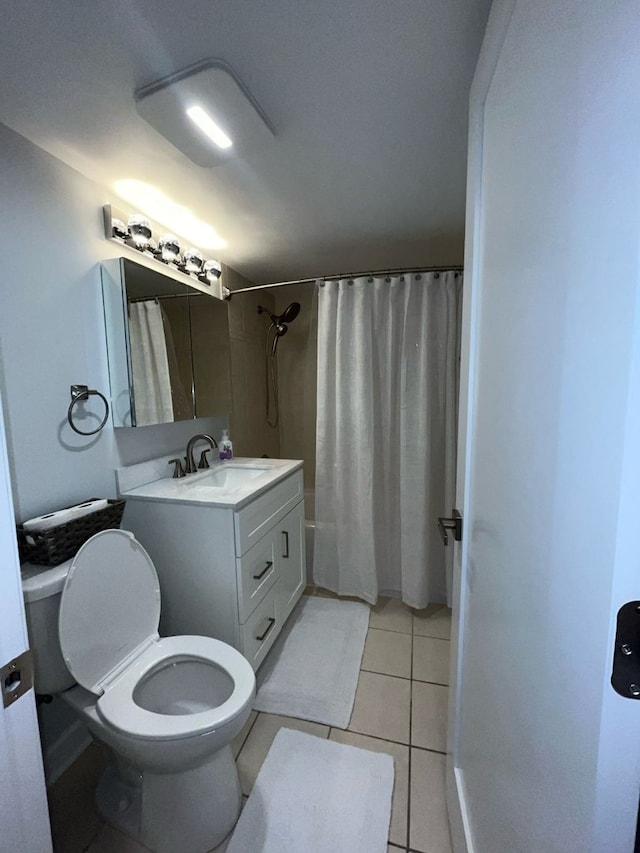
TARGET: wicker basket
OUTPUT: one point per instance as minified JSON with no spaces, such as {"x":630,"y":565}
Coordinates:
{"x":54,"y":546}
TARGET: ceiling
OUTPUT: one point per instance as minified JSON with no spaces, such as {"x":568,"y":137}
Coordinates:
{"x":367,"y":98}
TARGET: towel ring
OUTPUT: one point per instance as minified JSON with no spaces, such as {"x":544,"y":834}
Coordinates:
{"x":79,"y":393}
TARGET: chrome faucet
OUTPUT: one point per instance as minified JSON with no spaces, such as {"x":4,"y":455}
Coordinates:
{"x":190,"y":463}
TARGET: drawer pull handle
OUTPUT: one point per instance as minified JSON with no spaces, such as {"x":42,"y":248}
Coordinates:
{"x":272,"y":622}
{"x":264,"y":571}
{"x":285,"y":533}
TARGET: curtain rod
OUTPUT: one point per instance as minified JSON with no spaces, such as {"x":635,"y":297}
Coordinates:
{"x":407,"y":270}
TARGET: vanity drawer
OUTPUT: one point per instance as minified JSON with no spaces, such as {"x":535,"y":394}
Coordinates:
{"x":261,"y":629}
{"x":255,"y":519}
{"x":257,"y":571}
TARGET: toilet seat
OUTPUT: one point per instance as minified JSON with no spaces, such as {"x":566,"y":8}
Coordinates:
{"x":109,"y":609}
{"x":108,"y":628}
{"x":118,"y":707}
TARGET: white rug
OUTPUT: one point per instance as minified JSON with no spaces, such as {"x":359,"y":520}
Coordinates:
{"x":317,"y":796}
{"x":312,"y":670}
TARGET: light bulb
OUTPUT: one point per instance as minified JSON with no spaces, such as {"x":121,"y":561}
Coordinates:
{"x":193,"y":260}
{"x":169,"y":248}
{"x":119,"y":229}
{"x":212,"y":270}
{"x":140,"y":230}
{"x":208,"y":126}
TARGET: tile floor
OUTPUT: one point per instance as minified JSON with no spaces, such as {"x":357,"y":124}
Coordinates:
{"x":400,"y":708}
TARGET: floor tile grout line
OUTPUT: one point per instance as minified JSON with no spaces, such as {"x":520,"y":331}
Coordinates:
{"x":391,"y":630}
{"x":430,"y":637}
{"x":409,"y":634}
{"x":390,"y":674}
{"x":376,"y":737}
{"x":373,"y":737}
{"x":403,"y":677}
{"x":424,"y":681}
{"x":408,"y":836}
{"x":246,"y":737}
{"x":363,"y":734}
{"x":429,"y":749}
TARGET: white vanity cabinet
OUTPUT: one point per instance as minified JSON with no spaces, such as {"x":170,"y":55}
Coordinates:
{"x":230,"y":573}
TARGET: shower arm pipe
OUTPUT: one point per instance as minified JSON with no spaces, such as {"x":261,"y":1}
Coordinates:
{"x":400,"y":271}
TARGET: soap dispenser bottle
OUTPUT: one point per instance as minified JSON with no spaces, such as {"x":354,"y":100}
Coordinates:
{"x":225,"y":446}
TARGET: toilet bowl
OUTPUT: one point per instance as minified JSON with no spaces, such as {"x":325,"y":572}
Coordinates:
{"x":166,"y":708}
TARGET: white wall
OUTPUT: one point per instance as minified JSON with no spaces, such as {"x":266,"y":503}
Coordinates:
{"x":52,"y":335}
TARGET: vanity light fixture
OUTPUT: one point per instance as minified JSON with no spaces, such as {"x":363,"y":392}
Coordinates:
{"x":208,"y":126}
{"x":138,"y":235}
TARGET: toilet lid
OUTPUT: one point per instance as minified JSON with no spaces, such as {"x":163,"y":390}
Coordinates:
{"x":110,"y":607}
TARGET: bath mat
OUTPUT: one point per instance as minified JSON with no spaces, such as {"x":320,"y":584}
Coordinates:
{"x":312,"y":670}
{"x":318,"y":796}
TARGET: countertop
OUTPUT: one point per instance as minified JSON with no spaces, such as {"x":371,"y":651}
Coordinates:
{"x":197,"y":489}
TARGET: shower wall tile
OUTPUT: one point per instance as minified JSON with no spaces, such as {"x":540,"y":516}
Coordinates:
{"x":250,"y":432}
{"x":256,"y":325}
{"x":265,"y":438}
{"x":297,"y":367}
{"x":233,"y":280}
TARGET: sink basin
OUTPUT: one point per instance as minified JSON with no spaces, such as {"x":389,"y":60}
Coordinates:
{"x":232,"y":483}
{"x":227,"y":476}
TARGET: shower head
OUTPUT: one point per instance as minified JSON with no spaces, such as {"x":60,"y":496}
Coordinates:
{"x":290,"y":313}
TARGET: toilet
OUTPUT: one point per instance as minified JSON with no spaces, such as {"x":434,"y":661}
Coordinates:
{"x":167,"y":709}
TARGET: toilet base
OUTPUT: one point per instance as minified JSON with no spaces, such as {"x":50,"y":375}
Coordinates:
{"x":188,"y":812}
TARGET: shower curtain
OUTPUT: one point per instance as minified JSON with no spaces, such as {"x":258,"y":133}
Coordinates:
{"x":386,"y":435}
{"x":149,"y":363}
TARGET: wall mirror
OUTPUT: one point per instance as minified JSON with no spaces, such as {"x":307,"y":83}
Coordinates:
{"x":167,"y":344}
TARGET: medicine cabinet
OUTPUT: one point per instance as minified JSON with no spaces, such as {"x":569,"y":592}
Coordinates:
{"x":167,"y":344}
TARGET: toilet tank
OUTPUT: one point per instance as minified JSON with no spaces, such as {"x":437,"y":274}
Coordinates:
{"x":42,"y":590}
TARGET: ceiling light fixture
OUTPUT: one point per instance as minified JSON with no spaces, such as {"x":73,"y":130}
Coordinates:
{"x":203,"y":104}
{"x":160,"y":207}
{"x":207,"y":125}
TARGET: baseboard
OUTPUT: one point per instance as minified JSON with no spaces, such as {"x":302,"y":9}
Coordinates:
{"x":461,"y":838}
{"x":65,"y":750}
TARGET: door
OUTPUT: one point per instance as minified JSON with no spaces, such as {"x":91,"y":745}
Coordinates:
{"x":544,"y":757}
{"x":24,"y":818}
